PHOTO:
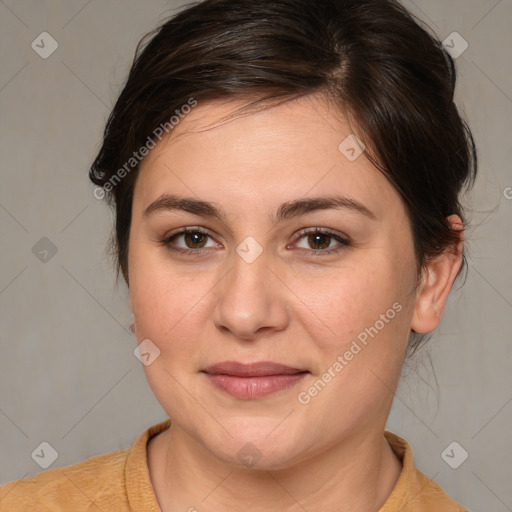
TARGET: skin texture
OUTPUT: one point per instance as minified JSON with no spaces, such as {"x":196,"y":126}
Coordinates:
{"x":289,"y":306}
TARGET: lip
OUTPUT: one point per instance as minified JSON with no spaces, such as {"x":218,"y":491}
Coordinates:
{"x":259,"y":369}
{"x":254,"y":380}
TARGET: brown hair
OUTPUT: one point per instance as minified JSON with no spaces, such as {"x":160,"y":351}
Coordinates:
{"x":371,"y":57}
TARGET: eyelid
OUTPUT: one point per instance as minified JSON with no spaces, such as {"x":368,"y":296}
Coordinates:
{"x":343,"y":240}
{"x":324,"y":231}
{"x":167,"y":239}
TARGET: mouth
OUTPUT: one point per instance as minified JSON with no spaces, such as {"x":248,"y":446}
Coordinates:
{"x":254,"y":380}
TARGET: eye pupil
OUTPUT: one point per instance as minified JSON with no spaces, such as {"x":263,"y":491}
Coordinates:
{"x":196,"y":239}
{"x":313,"y":239}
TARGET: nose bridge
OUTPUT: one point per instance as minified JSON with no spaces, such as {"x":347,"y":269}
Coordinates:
{"x":249,"y":300}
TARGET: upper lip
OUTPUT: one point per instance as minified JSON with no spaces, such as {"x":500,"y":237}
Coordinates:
{"x":258,"y":369}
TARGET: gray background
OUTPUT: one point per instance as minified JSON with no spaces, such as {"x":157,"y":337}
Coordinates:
{"x":68,"y":375}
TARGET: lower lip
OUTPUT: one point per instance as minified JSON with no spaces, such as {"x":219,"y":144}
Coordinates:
{"x":254,"y":387}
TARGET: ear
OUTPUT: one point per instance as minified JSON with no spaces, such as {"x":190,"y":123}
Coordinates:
{"x":131,"y":328}
{"x":436,"y":282}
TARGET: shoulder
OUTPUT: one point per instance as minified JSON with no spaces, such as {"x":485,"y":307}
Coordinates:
{"x":118,"y":481}
{"x":96,"y":481}
{"x":414,"y":491}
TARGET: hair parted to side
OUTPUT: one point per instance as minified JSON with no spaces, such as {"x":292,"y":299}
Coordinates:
{"x":392,"y":78}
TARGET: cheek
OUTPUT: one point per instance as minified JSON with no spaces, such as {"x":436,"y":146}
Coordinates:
{"x":166,"y":304}
{"x":366,"y":313}
{"x":358,"y":367}
{"x":168,"y":311}
{"x":346,"y":302}
{"x":333,"y":307}
{"x":168,"y":308}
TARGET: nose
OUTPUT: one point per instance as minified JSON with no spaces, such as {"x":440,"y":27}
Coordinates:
{"x":251,"y":300}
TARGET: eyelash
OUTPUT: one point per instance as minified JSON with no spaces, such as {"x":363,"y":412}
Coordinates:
{"x":344,"y":242}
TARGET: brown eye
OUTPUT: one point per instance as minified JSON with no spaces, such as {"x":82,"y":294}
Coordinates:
{"x":322,"y":239}
{"x":188,"y":241}
{"x":195,"y":239}
{"x":319,"y":242}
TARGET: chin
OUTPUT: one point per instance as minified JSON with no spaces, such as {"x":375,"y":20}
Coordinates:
{"x":257,"y":444}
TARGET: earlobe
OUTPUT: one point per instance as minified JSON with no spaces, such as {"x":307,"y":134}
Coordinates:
{"x":436,"y":282}
{"x":131,"y":328}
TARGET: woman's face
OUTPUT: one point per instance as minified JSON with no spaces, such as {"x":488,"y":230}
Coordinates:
{"x":256,"y":284}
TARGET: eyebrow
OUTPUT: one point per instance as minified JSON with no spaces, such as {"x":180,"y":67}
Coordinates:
{"x":288,"y":210}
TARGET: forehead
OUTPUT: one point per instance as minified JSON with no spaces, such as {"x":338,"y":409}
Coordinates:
{"x":293,"y":149}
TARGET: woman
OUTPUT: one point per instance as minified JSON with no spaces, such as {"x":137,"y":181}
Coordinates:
{"x":285,"y":177}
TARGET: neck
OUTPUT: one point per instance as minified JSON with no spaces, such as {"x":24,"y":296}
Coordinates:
{"x":356,"y":475}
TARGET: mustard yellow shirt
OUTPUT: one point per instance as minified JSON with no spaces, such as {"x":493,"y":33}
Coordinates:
{"x":119,"y":482}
